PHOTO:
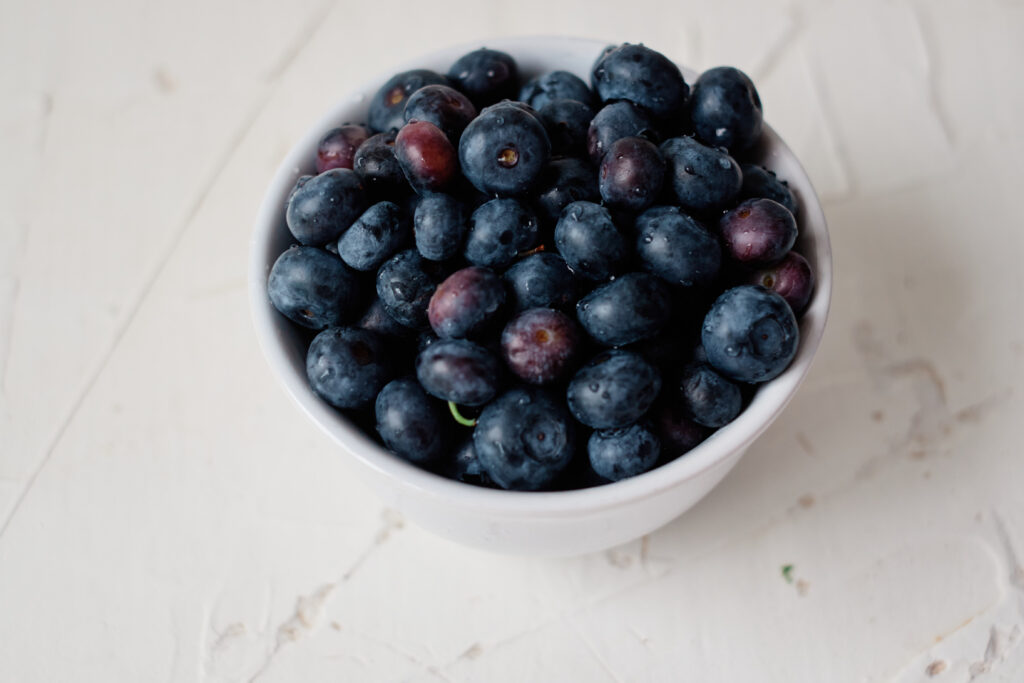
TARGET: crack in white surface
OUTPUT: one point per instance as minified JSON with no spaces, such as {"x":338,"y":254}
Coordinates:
{"x":848,"y":180}
{"x":316,"y":21}
{"x":928,"y":43}
{"x":780,"y":48}
{"x":230,"y":149}
{"x":309,"y":609}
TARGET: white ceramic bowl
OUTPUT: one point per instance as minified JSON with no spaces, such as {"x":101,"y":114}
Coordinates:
{"x":540,"y":523}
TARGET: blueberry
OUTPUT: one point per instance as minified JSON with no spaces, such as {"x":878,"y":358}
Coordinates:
{"x":411,"y":423}
{"x":465,"y":302}
{"x":377,"y":319}
{"x":458,"y":370}
{"x":677,"y":433}
{"x":791,"y":278}
{"x":337,"y":149}
{"x":427,"y":157}
{"x":757,"y":232}
{"x":375,"y":163}
{"x":631,"y":174}
{"x":589,"y":242}
{"x":758,"y":182}
{"x":524,"y":439}
{"x":613,"y":390}
{"x":617,"y":454}
{"x":499,"y":230}
{"x":313,"y":288}
{"x":614,"y":121}
{"x":708,"y":398}
{"x":567,"y":123}
{"x":642,"y":76}
{"x":405,"y":284}
{"x":465,"y":466}
{"x":538,"y":344}
{"x":563,"y":181}
{"x":702,"y":178}
{"x":541,"y":281}
{"x":628,"y":309}
{"x":445,"y":107}
{"x":347,"y":366}
{"x":486,"y":76}
{"x":725,"y":109}
{"x":374,"y":237}
{"x":504,"y":150}
{"x":299,"y":182}
{"x":750,"y":334}
{"x":676,"y":248}
{"x":440,"y":224}
{"x":555,"y":85}
{"x":388,"y":104}
{"x":324,"y":207}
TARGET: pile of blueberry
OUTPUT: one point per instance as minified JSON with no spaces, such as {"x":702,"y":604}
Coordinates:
{"x":545,"y":285}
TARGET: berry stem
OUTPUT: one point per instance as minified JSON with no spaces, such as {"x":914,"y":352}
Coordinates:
{"x":465,"y":422}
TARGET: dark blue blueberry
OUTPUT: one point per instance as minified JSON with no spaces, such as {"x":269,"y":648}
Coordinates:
{"x":725,"y":109}
{"x":324,"y":207}
{"x":589,"y":242}
{"x":375,"y":163}
{"x":499,"y":230}
{"x":613,"y":390}
{"x":440,"y":225}
{"x":347,"y":366}
{"x":618,"y":454}
{"x":707,"y":397}
{"x":702,"y":178}
{"x":750,"y":334}
{"x":642,"y":76}
{"x":524,"y":439}
{"x":631,"y":174}
{"x":465,"y":302}
{"x":504,"y":150}
{"x":563,"y":181}
{"x":405,"y":284}
{"x":299,"y":182}
{"x":541,"y":281}
{"x":486,"y":76}
{"x":445,"y":107}
{"x":757,"y":232}
{"x":567,"y":123}
{"x":411,"y":423}
{"x":374,"y":237}
{"x":458,"y":370}
{"x":465,"y":466}
{"x":791,"y":278}
{"x":337,"y":149}
{"x":614,"y":121}
{"x":313,"y":288}
{"x":539,"y":344}
{"x":377,"y":319}
{"x":629,"y":308}
{"x":758,"y":181}
{"x":677,"y":248}
{"x":388,"y":105}
{"x":555,"y":85}
{"x":427,"y":157}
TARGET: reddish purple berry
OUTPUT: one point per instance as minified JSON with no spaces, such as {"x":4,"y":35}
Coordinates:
{"x":338,"y":148}
{"x":428,"y":159}
{"x":792,"y":278}
{"x":631,"y":174}
{"x":465,"y":302}
{"x":538,"y":344}
{"x":758,"y":232}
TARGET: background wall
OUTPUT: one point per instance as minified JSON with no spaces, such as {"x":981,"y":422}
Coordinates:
{"x":166,"y":514}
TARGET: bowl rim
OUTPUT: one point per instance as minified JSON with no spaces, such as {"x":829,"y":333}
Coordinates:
{"x":768,"y":403}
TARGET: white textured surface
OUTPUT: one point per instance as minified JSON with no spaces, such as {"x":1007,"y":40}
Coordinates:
{"x":167,"y":515}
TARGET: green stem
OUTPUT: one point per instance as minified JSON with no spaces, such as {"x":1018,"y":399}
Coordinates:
{"x":465,"y":422}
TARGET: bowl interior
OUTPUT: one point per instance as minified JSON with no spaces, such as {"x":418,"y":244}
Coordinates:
{"x":284,"y":344}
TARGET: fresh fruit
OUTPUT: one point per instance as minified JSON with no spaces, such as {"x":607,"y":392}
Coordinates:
{"x":486,"y":76}
{"x":538,"y":344}
{"x":412,"y":424}
{"x":499,"y":230}
{"x":676,"y":248}
{"x":313,"y":288}
{"x":347,"y":366}
{"x":791,"y":278}
{"x":567,"y":123}
{"x":541,"y":281}
{"x":375,"y":163}
{"x":459,"y":371}
{"x":440,"y":223}
{"x":338,"y":147}
{"x":642,"y":76}
{"x":613,"y":390}
{"x":465,"y":302}
{"x":707,"y":397}
{"x":324,"y":206}
{"x":632,"y":307}
{"x":614,"y":121}
{"x":426,"y":156}
{"x":725,"y":109}
{"x":631,"y":174}
{"x":757,"y":232}
{"x":750,"y":334}
{"x":701,"y":178}
{"x":589,"y":242}
{"x":405,"y":284}
{"x":555,"y":85}
{"x":759,"y":181}
{"x":445,"y":107}
{"x":617,"y":454}
{"x":374,"y":237}
{"x":387,"y":108}
{"x":504,"y":150}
